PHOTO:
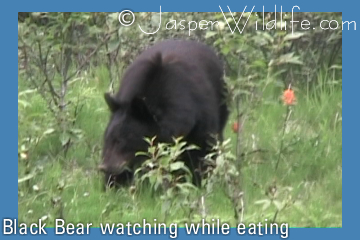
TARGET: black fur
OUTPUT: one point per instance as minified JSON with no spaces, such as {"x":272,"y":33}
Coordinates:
{"x":174,"y":88}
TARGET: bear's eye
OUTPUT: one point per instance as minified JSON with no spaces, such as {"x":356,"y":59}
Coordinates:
{"x":119,"y":142}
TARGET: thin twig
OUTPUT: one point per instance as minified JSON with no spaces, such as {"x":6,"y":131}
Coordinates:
{"x":288,"y":113}
{"x":87,"y":59}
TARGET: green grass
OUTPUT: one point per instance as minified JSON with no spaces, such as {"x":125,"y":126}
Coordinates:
{"x":311,"y":163}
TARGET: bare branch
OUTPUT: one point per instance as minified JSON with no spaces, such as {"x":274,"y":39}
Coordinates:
{"x":87,"y":59}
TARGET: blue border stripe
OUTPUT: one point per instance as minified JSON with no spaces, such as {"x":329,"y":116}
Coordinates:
{"x":351,"y":53}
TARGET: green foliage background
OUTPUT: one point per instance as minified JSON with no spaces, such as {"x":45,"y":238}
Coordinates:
{"x":68,"y":60}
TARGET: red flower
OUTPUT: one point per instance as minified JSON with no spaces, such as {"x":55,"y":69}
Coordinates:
{"x":289,"y":97}
{"x":235,"y":127}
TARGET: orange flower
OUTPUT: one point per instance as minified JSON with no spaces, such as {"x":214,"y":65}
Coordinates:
{"x":289,"y":97}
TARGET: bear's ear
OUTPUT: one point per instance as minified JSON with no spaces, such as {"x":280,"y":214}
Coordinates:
{"x":111,"y":102}
{"x":140,"y":110}
{"x":157,"y":59}
{"x":155,"y":65}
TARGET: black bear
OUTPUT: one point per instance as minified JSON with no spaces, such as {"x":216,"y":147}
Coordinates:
{"x":174,"y":88}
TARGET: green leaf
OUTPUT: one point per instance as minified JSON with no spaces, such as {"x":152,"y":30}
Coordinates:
{"x":137,"y":171}
{"x":192,"y":147}
{"x":113,"y":45}
{"x":259,"y":63}
{"x":166,"y":206}
{"x":293,"y":36}
{"x":176,"y":166}
{"x":64,"y":138}
{"x":26,"y":92}
{"x":141,"y":154}
{"x":27,"y":177}
{"x":265,"y":202}
{"x":49,"y":131}
{"x":278,"y":205}
{"x":209,"y":34}
{"x":286,"y":58}
{"x":266,"y":205}
{"x":336,"y":67}
{"x":23,"y":103}
{"x":225,"y":50}
{"x":165,"y":160}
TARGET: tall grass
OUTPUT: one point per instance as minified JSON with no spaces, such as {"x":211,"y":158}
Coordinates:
{"x":307,"y":184}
